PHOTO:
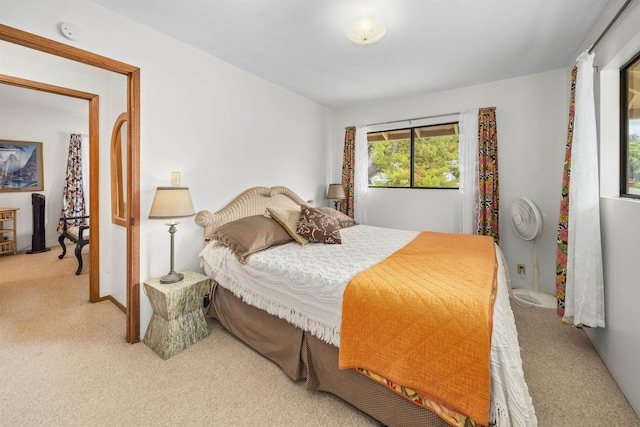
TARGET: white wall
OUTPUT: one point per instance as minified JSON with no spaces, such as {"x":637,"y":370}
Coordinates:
{"x":224,"y":129}
{"x":619,"y":342}
{"x":531,"y":121}
{"x":51,"y":127}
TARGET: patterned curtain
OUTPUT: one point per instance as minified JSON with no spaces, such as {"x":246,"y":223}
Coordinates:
{"x":563,"y":224}
{"x":348,"y":163}
{"x":73,"y":192}
{"x":489,"y":211}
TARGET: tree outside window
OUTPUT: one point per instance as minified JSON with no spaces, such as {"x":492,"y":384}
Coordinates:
{"x":630,"y":128}
{"x":419,"y":157}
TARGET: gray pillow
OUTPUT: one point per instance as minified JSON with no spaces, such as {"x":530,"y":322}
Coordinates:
{"x":249,"y":235}
{"x":343,"y":220}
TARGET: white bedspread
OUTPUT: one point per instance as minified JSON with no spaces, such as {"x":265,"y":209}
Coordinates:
{"x":304,"y":285}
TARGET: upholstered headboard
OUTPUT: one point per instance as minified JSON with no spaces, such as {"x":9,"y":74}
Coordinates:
{"x":253,"y":201}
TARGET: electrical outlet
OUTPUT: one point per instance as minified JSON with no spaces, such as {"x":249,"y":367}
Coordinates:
{"x":522,"y":270}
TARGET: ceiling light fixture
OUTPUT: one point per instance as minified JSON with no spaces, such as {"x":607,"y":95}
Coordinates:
{"x":366,"y":30}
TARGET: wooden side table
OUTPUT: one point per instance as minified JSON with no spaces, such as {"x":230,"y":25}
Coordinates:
{"x":8,"y":245}
{"x":178,"y":317}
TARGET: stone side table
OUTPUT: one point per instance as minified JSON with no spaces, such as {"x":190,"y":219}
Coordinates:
{"x":178,"y":318}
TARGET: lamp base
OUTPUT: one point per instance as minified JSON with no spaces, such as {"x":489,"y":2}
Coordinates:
{"x":172,"y":277}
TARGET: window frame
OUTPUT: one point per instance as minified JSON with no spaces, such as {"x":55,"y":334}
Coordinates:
{"x":624,"y":127}
{"x":412,"y":150}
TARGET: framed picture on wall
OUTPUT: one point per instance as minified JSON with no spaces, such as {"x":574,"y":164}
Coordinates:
{"x":21,"y":166}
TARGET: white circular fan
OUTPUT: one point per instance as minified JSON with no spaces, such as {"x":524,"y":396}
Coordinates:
{"x":527,"y":220}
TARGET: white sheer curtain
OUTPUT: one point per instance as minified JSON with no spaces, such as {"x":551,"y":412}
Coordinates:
{"x":361,"y":184}
{"x":468,"y":164}
{"x":584,"y":293}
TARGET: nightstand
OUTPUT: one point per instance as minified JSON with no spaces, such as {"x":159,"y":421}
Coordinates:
{"x":8,"y":245}
{"x":178,"y":317}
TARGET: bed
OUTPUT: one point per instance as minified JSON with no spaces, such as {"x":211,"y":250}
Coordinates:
{"x":284,"y":297}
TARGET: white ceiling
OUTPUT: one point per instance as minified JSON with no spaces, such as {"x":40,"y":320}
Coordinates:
{"x":430,"y":45}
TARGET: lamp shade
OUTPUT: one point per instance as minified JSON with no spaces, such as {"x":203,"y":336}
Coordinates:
{"x":171,"y":202}
{"x":336,"y":191}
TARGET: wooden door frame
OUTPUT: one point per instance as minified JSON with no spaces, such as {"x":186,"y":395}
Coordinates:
{"x":22,"y":38}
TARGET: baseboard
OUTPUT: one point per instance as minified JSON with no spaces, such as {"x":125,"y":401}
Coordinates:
{"x":115,"y":301}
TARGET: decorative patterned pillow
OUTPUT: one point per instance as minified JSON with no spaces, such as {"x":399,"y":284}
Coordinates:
{"x":249,"y":235}
{"x":288,"y":219}
{"x":316,"y":226}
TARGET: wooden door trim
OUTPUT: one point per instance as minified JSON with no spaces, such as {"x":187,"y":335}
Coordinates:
{"x":133,"y":207}
{"x":42,"y":44}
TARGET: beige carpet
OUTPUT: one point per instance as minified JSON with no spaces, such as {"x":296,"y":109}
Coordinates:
{"x":64,"y":361}
{"x":568,"y":382}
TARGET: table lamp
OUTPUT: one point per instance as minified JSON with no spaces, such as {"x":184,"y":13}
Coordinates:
{"x":336,"y":191}
{"x":170,"y":203}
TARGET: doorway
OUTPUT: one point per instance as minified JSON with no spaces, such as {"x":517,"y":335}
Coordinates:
{"x":132,"y":73}
{"x":94,"y":199}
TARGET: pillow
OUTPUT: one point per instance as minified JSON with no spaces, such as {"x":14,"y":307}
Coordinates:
{"x":317,"y":226}
{"x":343,"y":220}
{"x":249,"y":235}
{"x":288,"y":219}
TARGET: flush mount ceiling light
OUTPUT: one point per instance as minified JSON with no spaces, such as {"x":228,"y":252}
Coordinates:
{"x":366,"y":30}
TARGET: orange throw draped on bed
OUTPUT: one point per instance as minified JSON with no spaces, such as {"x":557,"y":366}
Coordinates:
{"x":422,"y":318}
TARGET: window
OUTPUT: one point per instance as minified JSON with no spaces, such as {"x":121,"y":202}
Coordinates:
{"x":630,"y":129}
{"x":418,"y":157}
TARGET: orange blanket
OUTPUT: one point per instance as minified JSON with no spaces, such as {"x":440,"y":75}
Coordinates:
{"x":422,"y":318}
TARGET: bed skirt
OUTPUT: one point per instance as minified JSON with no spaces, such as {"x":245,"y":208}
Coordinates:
{"x":300,"y":355}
